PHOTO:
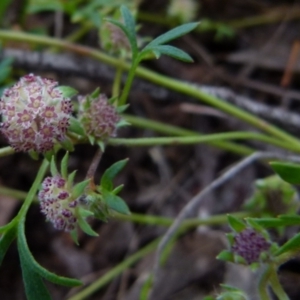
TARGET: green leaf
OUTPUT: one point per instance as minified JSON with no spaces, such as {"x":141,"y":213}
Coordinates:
{"x":95,"y":93}
{"x":33,"y":283}
{"x":71,"y":179}
{"x":6,"y":64}
{"x":76,"y":127}
{"x":74,"y":236}
{"x":67,"y":144}
{"x":171,"y":51}
{"x":172,"y":34}
{"x":130,"y":25}
{"x":289,"y":172}
{"x":79,"y":188}
{"x":118,"y":189}
{"x":6,"y":240}
{"x":85,"y":227}
{"x":110,"y":174}
{"x":67,"y":91}
{"x":292,"y":245}
{"x":64,"y":166}
{"x":53,"y":168}
{"x":29,"y":261}
{"x":33,"y":154}
{"x":84,"y":213}
{"x":236,"y":224}
{"x":115,"y":202}
{"x":34,"y":286}
{"x":226,"y":255}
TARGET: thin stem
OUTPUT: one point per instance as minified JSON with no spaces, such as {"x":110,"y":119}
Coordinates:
{"x":276,"y":285}
{"x":33,"y":190}
{"x":263,"y":284}
{"x":176,"y":85}
{"x":94,"y":164}
{"x":178,"y":131}
{"x":128,"y":83}
{"x":117,"y":82}
{"x":241,"y":135}
{"x":114,"y":272}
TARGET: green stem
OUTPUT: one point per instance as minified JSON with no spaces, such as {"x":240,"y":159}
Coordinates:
{"x":128,"y":83}
{"x":175,"y":130}
{"x":117,"y":82}
{"x":176,"y":85}
{"x":116,"y":271}
{"x":263,"y":284}
{"x":33,"y":190}
{"x":276,"y":285}
{"x":188,"y":140}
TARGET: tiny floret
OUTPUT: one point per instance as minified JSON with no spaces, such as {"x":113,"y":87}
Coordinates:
{"x":249,"y":244}
{"x":57,"y":203}
{"x":35,"y":114}
{"x":98,"y":117}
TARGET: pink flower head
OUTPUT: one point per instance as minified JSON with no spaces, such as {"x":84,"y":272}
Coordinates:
{"x":35,"y":114}
{"x":57,"y":203}
{"x":98,"y":117}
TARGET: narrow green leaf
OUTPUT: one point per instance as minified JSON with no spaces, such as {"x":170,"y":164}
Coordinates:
{"x":85,"y":226}
{"x":68,"y":91}
{"x":75,"y":126}
{"x":115,"y":202}
{"x":292,"y":245}
{"x":74,"y":236}
{"x":34,"y":286}
{"x":289,"y":172}
{"x":110,"y":174}
{"x":5,"y":241}
{"x":53,"y":168}
{"x":118,"y":189}
{"x":67,"y":144}
{"x":225,"y":255}
{"x":95,"y":93}
{"x":84,"y":213}
{"x":172,"y":51}
{"x":29,"y":261}
{"x":33,"y":154}
{"x":236,"y":224}
{"x":173,"y":34}
{"x":71,"y":179}
{"x":64,"y":166}
{"x":79,"y":188}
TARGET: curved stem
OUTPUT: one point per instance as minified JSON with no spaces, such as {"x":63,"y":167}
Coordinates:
{"x":276,"y":285}
{"x":263,"y":284}
{"x":5,"y":151}
{"x":176,"y":85}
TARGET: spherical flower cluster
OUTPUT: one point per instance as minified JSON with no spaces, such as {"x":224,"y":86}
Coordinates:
{"x":249,"y":244}
{"x":35,"y":114}
{"x":57,"y":203}
{"x":98,"y":117}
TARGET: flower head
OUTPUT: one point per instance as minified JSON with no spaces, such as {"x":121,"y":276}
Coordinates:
{"x":249,"y":244}
{"x":35,"y":114}
{"x":58,"y":204}
{"x":98,"y":117}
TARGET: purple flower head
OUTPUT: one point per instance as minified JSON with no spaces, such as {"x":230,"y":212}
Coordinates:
{"x":35,"y":114}
{"x":57,"y":204}
{"x":249,"y":244}
{"x":98,"y":117}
